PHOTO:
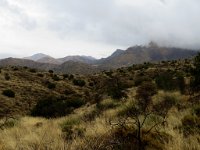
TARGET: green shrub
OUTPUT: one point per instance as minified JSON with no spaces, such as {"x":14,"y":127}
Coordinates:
{"x":9,"y":93}
{"x":107,"y":104}
{"x":55,"y":78}
{"x":69,"y":130}
{"x":190,"y":125}
{"x":71,"y":77}
{"x":33,"y":70}
{"x":51,"y":71}
{"x":65,"y":76}
{"x":115,"y":88}
{"x":171,"y":81}
{"x":197,"y":110}
{"x":140,"y":79}
{"x":51,"y":85}
{"x":7,"y":77}
{"x":79,"y":82}
{"x":52,"y":107}
{"x":40,"y":75}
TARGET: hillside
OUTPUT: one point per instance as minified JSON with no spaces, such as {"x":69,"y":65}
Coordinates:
{"x":100,"y":111}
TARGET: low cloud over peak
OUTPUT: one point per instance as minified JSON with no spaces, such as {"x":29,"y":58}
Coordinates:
{"x":93,"y":27}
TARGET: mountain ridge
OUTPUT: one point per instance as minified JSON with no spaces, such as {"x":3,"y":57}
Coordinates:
{"x":88,"y":65}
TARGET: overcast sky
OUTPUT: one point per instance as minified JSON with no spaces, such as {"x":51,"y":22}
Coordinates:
{"x":95,"y":27}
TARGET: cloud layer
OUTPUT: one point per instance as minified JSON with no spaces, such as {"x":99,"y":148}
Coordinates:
{"x":96,"y":27}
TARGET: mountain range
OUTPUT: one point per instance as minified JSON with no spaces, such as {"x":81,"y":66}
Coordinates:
{"x":87,"y":64}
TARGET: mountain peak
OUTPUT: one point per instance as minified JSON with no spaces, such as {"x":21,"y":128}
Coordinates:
{"x":37,"y":56}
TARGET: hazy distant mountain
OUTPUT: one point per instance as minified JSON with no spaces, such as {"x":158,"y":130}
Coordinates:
{"x":36,"y":57}
{"x":49,"y":60}
{"x":77,"y":58}
{"x":25,"y":62}
{"x":76,"y":68}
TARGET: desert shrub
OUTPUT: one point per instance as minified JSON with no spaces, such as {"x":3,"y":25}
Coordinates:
{"x":190,"y":125}
{"x":167,"y":103}
{"x":51,"y":85}
{"x":65,"y":76}
{"x":125,"y":137}
{"x":33,"y":70}
{"x":109,"y":73}
{"x":140,"y":79}
{"x":7,"y":123}
{"x":165,"y":81}
{"x":55,"y":78}
{"x":40,"y":75}
{"x":197,"y":110}
{"x":136,"y":114}
{"x":106,"y":104}
{"x":90,"y":116}
{"x":69,"y":131}
{"x":195,"y":72}
{"x":144,"y":93}
{"x":51,"y":71}
{"x":52,"y":107}
{"x":7,"y":77}
{"x":15,"y":69}
{"x":79,"y":82}
{"x":68,"y":91}
{"x":115,"y":88}
{"x":91,"y":84}
{"x":170,"y":81}
{"x":9,"y":93}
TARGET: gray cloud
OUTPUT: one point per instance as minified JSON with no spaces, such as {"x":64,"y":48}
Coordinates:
{"x":108,"y":24}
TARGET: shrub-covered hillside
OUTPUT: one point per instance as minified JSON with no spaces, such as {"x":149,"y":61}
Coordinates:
{"x":147,"y":106}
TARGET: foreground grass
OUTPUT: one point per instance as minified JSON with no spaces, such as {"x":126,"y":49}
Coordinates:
{"x":78,"y":131}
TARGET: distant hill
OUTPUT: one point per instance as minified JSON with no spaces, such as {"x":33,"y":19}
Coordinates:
{"x":25,"y":62}
{"x":77,"y":58}
{"x":76,"y":68}
{"x":49,"y":60}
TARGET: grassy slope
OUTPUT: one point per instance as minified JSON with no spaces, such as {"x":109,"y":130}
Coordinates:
{"x":39,"y":133}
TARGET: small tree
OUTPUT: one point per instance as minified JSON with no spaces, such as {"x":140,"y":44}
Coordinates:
{"x":7,"y":77}
{"x":195,"y":71}
{"x":139,"y":111}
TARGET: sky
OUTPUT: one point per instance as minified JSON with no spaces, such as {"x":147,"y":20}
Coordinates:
{"x":95,"y":27}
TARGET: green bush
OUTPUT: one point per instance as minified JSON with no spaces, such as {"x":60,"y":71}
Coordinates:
{"x":51,"y":85}
{"x":55,"y":78}
{"x":65,"y":76}
{"x":51,"y":71}
{"x":52,"y":107}
{"x":140,"y":79}
{"x":33,"y":70}
{"x":7,"y":77}
{"x":9,"y":93}
{"x":40,"y":75}
{"x":79,"y":82}
{"x":190,"y":125}
{"x":116,"y":88}
{"x":197,"y":110}
{"x":71,"y":76}
{"x":69,"y":130}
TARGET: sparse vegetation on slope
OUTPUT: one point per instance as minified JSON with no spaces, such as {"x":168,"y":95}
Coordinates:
{"x":142,"y":107}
